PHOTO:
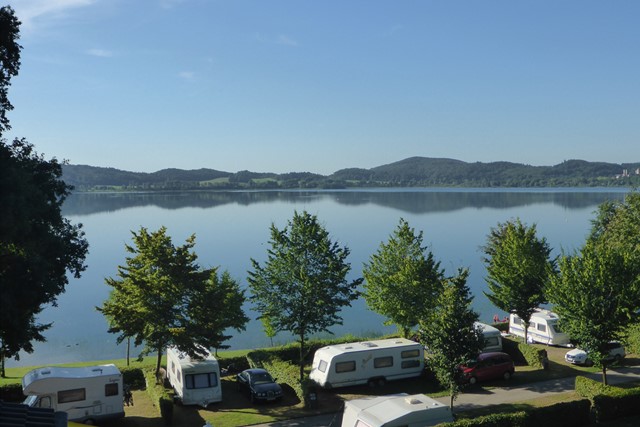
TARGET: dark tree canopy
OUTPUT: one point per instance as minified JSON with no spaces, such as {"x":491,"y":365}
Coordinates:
{"x":9,"y":60}
{"x":402,"y":279}
{"x":302,"y":286}
{"x":518,"y":268}
{"x":162,"y":297}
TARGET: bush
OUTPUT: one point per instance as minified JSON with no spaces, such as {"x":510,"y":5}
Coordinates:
{"x":620,"y":404}
{"x":514,"y":419}
{"x":160,"y":396}
{"x":133,"y":377}
{"x":588,"y":388}
{"x":523,"y":353}
{"x":11,"y":393}
{"x":563,"y":414}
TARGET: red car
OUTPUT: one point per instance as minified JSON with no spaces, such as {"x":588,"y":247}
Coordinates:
{"x":488,"y":366}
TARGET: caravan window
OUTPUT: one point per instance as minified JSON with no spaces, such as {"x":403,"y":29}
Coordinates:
{"x":111,"y":389}
{"x":491,"y":342}
{"x":383,"y":362}
{"x":322,"y":366}
{"x":410,"y":353}
{"x":201,"y":380}
{"x":346,"y":366}
{"x":517,"y":320}
{"x":406,"y":364}
{"x":74,"y":395}
{"x":542,"y":327}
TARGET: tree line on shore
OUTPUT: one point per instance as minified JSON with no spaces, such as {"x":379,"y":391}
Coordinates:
{"x":411,"y":172}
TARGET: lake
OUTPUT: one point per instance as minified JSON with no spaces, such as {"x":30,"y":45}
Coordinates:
{"x":232,"y":227}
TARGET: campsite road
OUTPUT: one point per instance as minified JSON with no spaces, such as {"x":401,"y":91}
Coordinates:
{"x":480,"y":397}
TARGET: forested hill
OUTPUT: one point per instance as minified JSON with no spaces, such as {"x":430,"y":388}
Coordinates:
{"x":411,"y":172}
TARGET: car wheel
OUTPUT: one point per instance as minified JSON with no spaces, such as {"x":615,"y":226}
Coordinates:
{"x":381,"y":382}
{"x":507,"y":375}
{"x":473,"y":380}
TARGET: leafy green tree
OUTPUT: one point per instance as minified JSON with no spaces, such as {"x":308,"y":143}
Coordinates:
{"x":38,"y":246}
{"x":162,"y":298}
{"x":519,"y":267}
{"x":401,"y":279}
{"x":596,"y":299}
{"x":449,"y":333}
{"x":302,"y":286}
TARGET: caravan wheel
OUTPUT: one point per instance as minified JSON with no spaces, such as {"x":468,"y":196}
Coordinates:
{"x":381,"y":382}
{"x":89,"y":422}
{"x":371,"y":383}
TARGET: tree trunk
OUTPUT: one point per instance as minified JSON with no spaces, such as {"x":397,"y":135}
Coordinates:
{"x":3,"y":374}
{"x":526,"y":331}
{"x":604,"y":374}
{"x":158,"y":362}
{"x":128,"y":349}
{"x":451,"y":402}
{"x":301,"y":360}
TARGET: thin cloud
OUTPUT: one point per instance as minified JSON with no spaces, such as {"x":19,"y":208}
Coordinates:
{"x":30,"y":11}
{"x":100,"y":53}
{"x":280,"y":39}
{"x":187,"y":75}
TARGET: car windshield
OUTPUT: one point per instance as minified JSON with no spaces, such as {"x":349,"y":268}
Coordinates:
{"x":261,"y":378}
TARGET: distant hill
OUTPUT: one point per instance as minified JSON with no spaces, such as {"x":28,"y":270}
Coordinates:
{"x":411,"y":172}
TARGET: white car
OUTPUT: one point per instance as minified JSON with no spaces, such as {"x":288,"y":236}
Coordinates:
{"x":579,"y":357}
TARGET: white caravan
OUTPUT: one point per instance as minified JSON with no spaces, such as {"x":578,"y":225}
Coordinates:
{"x":86,"y":394}
{"x":543,"y":328}
{"x":369,"y":362}
{"x":196,"y":381}
{"x":492,"y":337}
{"x":415,"y":410}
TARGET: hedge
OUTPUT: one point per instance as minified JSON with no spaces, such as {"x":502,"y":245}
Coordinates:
{"x":514,"y":419}
{"x":523,"y":353}
{"x":161,"y":397}
{"x":11,"y":393}
{"x":133,"y":377}
{"x":623,"y":403}
{"x":576,"y":413}
{"x":588,"y":388}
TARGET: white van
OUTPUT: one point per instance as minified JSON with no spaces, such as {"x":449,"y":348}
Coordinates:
{"x":543,"y":328}
{"x":87,"y":394}
{"x":369,"y":362}
{"x":492,"y":337}
{"x":402,"y":410}
{"x":196,"y":381}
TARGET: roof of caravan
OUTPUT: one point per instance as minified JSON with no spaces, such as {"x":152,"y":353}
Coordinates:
{"x":367,"y":345}
{"x":486,"y":328}
{"x":188,"y":361}
{"x":69,"y":372}
{"x":382,"y":409}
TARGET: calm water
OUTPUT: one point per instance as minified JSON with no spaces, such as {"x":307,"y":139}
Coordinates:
{"x":232,"y":227}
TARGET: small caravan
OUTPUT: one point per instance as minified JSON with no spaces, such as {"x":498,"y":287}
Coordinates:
{"x":492,"y":337}
{"x":196,"y":381}
{"x":401,"y":410}
{"x":369,"y":362}
{"x":87,"y":394}
{"x":543,"y":328}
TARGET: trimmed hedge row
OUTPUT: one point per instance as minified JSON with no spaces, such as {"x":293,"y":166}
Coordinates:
{"x":11,"y":393}
{"x":564,"y":414}
{"x":160,"y":396}
{"x":609,"y":403}
{"x":521,"y":352}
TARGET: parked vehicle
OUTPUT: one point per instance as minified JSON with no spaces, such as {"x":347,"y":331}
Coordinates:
{"x":259,"y":385}
{"x":403,"y":410}
{"x":578,"y":356}
{"x":488,"y":366}
{"x":492,"y":337}
{"x":543,"y":328}
{"x":195,"y":381}
{"x":87,"y":394}
{"x":369,"y":362}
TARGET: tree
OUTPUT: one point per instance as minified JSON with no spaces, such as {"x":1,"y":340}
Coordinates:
{"x":302,"y":286}
{"x":401,"y":281}
{"x":519,"y":267}
{"x":449,"y":333}
{"x":595,"y":298}
{"x":9,"y":60}
{"x":163,"y":298}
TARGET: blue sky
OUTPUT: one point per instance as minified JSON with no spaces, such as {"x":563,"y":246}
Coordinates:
{"x":297,"y":85}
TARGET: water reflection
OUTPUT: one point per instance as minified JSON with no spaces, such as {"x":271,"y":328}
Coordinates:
{"x":413,"y":201}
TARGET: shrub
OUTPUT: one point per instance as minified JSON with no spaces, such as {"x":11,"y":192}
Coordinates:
{"x":564,"y":414}
{"x":620,"y":404}
{"x":588,"y":388}
{"x":11,"y":393}
{"x":514,"y":419}
{"x":133,"y":377}
{"x":160,"y":396}
{"x":523,"y":353}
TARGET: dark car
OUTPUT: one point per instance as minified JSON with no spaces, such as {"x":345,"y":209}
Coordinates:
{"x":259,"y":385}
{"x":488,"y":366}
